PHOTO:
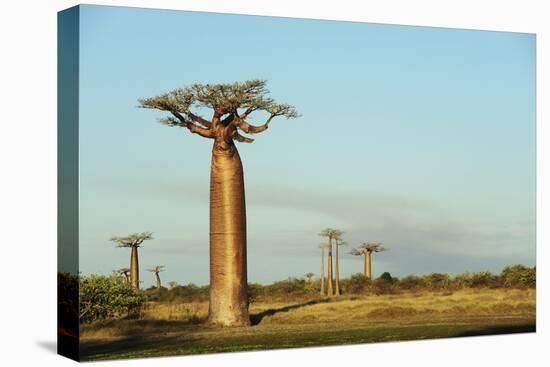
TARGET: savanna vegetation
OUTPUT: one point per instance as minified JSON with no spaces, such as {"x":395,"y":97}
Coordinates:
{"x":292,"y":313}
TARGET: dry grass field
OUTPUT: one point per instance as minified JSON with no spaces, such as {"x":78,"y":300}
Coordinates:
{"x":179,"y":328}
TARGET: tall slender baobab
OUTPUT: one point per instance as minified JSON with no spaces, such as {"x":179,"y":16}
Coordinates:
{"x":157,"y":269}
{"x":338,"y":242}
{"x":330,"y":234}
{"x":232,"y":107}
{"x":133,"y":241}
{"x":322,"y":247}
{"x":366,"y":249}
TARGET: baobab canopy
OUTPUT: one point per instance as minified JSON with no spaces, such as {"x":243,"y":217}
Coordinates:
{"x":132,"y":240}
{"x":232,"y":104}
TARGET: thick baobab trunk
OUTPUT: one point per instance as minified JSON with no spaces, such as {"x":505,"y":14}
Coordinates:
{"x":228,"y":277}
{"x":369,"y":265}
{"x":365,"y":264}
{"x":337,"y":273}
{"x":158,"y":280}
{"x":323,"y":271}
{"x":329,"y":270}
{"x":134,"y":268}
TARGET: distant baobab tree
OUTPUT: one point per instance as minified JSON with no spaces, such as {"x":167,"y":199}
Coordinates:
{"x":232,"y":107}
{"x":133,"y":241}
{"x":338,"y":242}
{"x":322,"y":247}
{"x":173,"y":284}
{"x":157,"y":269}
{"x":366,"y":249}
{"x":330,"y":234}
{"x":309,"y":277}
{"x":124,"y":272}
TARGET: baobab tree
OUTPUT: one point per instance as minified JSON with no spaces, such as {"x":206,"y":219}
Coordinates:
{"x":124,"y":272}
{"x":232,"y":108}
{"x":322,"y":247}
{"x":338,"y":242}
{"x":157,"y":269}
{"x":330,"y":234}
{"x":366,"y":249}
{"x":309,"y":277}
{"x":133,"y":241}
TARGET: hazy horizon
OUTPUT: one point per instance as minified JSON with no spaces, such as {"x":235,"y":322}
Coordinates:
{"x":420,"y":138}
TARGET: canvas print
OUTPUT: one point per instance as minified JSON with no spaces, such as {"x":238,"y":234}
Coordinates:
{"x":233,"y":183}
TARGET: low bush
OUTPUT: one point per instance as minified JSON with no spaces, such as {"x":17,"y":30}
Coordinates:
{"x":412,"y":283}
{"x":385,"y":284}
{"x":356,"y":284}
{"x":180,"y":293}
{"x":519,"y":276}
{"x":484,"y":280}
{"x":107,"y":297}
{"x":438,"y":281}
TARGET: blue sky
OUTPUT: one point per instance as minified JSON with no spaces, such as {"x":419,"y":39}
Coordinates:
{"x":421,"y":138}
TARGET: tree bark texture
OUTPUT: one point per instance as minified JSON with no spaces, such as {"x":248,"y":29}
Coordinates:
{"x":134,"y":268}
{"x":322,"y":271}
{"x":158,"y":280}
{"x":228,"y":269}
{"x":329,"y":270}
{"x":337,"y":273}
{"x":369,"y":265}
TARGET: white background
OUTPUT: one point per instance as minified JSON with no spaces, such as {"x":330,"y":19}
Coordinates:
{"x":28,"y":182}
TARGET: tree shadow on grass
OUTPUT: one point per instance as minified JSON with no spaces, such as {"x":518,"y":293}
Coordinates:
{"x":135,"y":335}
{"x":257,"y":318}
{"x":97,"y":348}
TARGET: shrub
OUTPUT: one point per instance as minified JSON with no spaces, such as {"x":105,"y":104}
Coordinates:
{"x":438,"y":281}
{"x":106,"y":297}
{"x":412,"y":282}
{"x":384,"y":284}
{"x":385,"y":276}
{"x":357,"y":284}
{"x":182,"y":293}
{"x":289,"y":287}
{"x":461,"y":281}
{"x":484,"y":280}
{"x":519,"y":276}
{"x":255,"y":290}
{"x":310,"y":287}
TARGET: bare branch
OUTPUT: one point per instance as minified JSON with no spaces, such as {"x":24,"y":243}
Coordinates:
{"x":251,"y":129}
{"x":275,"y":110}
{"x":195,"y":129}
{"x":199,"y":119}
{"x":240,"y":138}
